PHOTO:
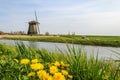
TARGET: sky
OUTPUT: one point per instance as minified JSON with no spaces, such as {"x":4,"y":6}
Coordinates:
{"x":82,"y":17}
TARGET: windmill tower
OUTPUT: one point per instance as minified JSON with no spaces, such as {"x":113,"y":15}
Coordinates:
{"x":33,"y":27}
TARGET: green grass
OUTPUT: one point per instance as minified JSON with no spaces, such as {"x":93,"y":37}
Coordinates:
{"x":81,"y":67}
{"x":76,"y":39}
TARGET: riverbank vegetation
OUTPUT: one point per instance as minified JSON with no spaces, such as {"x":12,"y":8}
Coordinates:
{"x":75,"y":39}
{"x":20,"y":62}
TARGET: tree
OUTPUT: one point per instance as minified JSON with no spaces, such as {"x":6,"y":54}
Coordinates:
{"x":1,"y":32}
{"x":47,"y":34}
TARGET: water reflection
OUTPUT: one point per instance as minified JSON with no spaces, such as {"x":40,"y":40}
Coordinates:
{"x":103,"y":52}
{"x":32,"y":44}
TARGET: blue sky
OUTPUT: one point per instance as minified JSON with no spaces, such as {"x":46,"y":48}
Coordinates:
{"x":86,"y":17}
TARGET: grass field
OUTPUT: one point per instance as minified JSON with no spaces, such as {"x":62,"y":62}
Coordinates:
{"x":75,"y":39}
{"x":20,"y":62}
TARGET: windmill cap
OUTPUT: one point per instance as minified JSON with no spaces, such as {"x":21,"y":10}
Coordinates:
{"x":33,"y":22}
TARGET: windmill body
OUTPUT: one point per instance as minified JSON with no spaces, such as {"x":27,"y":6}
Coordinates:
{"x":33,"y":27}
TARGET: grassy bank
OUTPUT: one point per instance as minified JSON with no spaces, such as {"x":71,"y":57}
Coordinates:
{"x":76,"y":39}
{"x":25,"y":63}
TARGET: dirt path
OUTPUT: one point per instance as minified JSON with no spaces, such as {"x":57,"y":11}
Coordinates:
{"x":23,"y":36}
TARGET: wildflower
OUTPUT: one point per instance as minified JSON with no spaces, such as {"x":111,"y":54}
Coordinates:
{"x":70,"y":76}
{"x":47,"y":77}
{"x":24,"y":61}
{"x":62,"y":64}
{"x":57,"y":63}
{"x":53,"y":69}
{"x":37,"y":66}
{"x":31,"y":74}
{"x":16,"y":60}
{"x":64,"y":72}
{"x":58,"y":76}
{"x":41,"y":74}
{"x":49,"y":65}
{"x":34,"y":61}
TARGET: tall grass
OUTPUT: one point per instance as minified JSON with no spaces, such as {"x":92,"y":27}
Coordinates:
{"x":81,"y":66}
{"x":89,"y":68}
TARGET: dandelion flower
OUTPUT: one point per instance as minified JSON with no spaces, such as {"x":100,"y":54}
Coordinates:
{"x":48,"y":77}
{"x":58,"y":76}
{"x":41,"y":74}
{"x":53,"y":69}
{"x":57,"y":63}
{"x":24,"y":61}
{"x":34,"y":61}
{"x":49,"y":65}
{"x":31,"y":74}
{"x":62,"y":64}
{"x":64,"y":72}
{"x":37,"y":66}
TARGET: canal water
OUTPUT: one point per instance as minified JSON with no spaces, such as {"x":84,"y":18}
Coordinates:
{"x":103,"y":52}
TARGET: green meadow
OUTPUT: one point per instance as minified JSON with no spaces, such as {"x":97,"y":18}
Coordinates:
{"x":75,"y":39}
{"x":21,"y":62}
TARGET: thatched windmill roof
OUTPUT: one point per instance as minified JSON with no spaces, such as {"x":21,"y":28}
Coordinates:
{"x":33,"y":22}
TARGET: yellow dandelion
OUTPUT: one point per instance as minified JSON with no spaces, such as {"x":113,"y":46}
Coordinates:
{"x":16,"y":60}
{"x":31,"y":74}
{"x":37,"y":66}
{"x":62,"y":64}
{"x":41,"y":74}
{"x":57,"y":63}
{"x":64,"y":72}
{"x":49,"y":65}
{"x":24,"y":61}
{"x":47,"y":77}
{"x":58,"y":76}
{"x":34,"y":61}
{"x":53,"y":69}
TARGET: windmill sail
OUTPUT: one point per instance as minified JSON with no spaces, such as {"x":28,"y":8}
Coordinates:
{"x":38,"y":23}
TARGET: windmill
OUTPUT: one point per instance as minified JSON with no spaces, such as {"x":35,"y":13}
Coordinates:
{"x":33,"y":26}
